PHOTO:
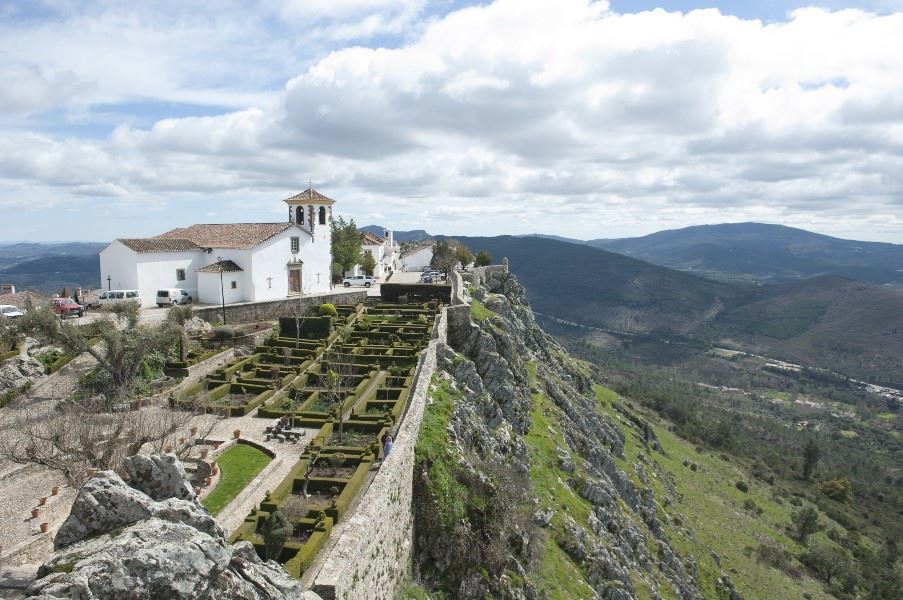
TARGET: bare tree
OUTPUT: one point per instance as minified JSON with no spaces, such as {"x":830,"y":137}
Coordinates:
{"x":80,"y":437}
{"x":335,"y":385}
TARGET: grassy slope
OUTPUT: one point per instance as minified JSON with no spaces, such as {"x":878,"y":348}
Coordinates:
{"x":712,"y":506}
{"x":240,"y":464}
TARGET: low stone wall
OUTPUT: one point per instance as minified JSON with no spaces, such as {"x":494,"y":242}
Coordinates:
{"x":371,"y":558}
{"x":248,"y":312}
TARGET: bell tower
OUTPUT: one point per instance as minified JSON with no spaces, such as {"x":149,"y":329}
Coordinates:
{"x":312,"y":211}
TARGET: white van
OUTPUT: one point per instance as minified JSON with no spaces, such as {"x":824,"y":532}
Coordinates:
{"x":173,"y":296}
{"x":114,"y":296}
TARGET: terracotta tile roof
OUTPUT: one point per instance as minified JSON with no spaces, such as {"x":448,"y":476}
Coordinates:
{"x":309,"y":196}
{"x":157,"y":244}
{"x":223,"y":266}
{"x":373,"y":240}
{"x":226,"y":235}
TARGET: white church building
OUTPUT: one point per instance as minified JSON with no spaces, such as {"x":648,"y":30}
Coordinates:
{"x":237,"y":262}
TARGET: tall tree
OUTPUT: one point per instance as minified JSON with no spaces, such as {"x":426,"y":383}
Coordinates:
{"x":346,"y":245}
{"x":368,"y":263}
{"x":483,"y":259}
{"x":811,"y":454}
{"x":464,"y":255}
{"x":444,"y":258}
{"x":805,"y":521}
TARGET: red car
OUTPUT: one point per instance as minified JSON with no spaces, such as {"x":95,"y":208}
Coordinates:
{"x":65,"y":307}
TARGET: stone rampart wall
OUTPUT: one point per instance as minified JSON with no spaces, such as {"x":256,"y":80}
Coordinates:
{"x":248,"y":312}
{"x":371,"y":558}
{"x":479,"y":275}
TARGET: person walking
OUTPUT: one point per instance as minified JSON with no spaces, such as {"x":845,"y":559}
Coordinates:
{"x":387,"y":445}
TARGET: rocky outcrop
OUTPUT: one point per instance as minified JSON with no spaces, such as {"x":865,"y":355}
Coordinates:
{"x":160,"y":476}
{"x":120,"y":542}
{"x":487,"y":363}
{"x":19,"y":371}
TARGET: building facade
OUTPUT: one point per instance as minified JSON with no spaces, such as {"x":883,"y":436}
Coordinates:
{"x":231,"y":262}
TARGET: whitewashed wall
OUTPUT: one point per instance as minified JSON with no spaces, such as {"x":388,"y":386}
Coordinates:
{"x":415,"y":261}
{"x":157,"y":271}
{"x":209,"y":287}
{"x":118,"y":262}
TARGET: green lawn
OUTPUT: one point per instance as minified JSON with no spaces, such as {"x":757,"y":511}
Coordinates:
{"x":239,"y":465}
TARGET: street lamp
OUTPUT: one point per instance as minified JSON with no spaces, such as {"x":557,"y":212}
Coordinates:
{"x":109,"y":282}
{"x":222,"y":290}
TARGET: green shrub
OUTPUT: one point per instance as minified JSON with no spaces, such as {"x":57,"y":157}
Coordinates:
{"x":328,"y":310}
{"x":752,"y":507}
{"x":742,"y":486}
{"x":837,"y":489}
{"x":223,"y":332}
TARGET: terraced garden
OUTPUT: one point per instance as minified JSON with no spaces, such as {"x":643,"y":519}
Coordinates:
{"x":351,"y":385}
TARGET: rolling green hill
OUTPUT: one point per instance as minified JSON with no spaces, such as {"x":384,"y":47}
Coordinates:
{"x":763,"y":253}
{"x":848,"y":326}
{"x":590,"y":286}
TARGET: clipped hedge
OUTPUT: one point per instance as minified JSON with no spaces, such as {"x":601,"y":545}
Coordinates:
{"x":309,"y":328}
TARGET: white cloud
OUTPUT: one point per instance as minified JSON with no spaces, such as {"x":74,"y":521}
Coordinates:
{"x":522,"y":115}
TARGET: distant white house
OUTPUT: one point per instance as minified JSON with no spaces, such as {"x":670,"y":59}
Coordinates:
{"x":384,"y":251}
{"x":417,"y":257}
{"x":231,"y":262}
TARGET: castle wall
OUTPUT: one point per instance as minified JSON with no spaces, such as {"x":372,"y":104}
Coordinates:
{"x":371,"y":558}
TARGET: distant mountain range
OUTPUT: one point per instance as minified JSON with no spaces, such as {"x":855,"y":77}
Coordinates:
{"x":762,"y":253}
{"x":849,"y":326}
{"x":414,"y":235}
{"x":50,"y":267}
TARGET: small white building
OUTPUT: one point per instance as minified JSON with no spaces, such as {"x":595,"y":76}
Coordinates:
{"x":231,"y":262}
{"x":384,"y":251}
{"x":417,"y":257}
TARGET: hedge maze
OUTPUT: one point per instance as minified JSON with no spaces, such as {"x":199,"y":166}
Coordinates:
{"x":351,"y":384}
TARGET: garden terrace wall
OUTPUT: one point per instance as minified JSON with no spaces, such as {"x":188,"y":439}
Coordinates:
{"x":246,"y":312}
{"x":416,"y":291}
{"x":370,"y":559}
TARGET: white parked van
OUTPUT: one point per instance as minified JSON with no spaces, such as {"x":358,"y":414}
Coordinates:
{"x":114,"y":296}
{"x":173,"y":296}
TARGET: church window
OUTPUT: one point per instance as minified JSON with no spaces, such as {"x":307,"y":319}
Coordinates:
{"x":299,"y":215}
{"x":234,"y":285}
{"x":269,"y":283}
{"x":322,"y":215}
{"x":180,"y":274}
{"x":296,"y":242}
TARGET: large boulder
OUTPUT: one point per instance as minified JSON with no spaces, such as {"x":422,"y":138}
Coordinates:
{"x":156,"y":558}
{"x":160,"y":476}
{"x":196,"y":327}
{"x":105,"y":503}
{"x":119,"y":542}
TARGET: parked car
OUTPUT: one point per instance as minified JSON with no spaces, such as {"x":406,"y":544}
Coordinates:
{"x":66,"y":307}
{"x":8,"y":311}
{"x":364,"y":280}
{"x":173,"y":296}
{"x":426,"y":278}
{"x":114,"y":296}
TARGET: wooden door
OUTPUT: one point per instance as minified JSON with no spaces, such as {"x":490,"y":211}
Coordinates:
{"x":294,"y":281}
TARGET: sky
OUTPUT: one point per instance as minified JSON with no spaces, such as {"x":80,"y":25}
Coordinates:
{"x":569,"y":117}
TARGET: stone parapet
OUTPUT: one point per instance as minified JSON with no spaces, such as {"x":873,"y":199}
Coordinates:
{"x":479,"y":275}
{"x":270,"y":310}
{"x":371,"y":558}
